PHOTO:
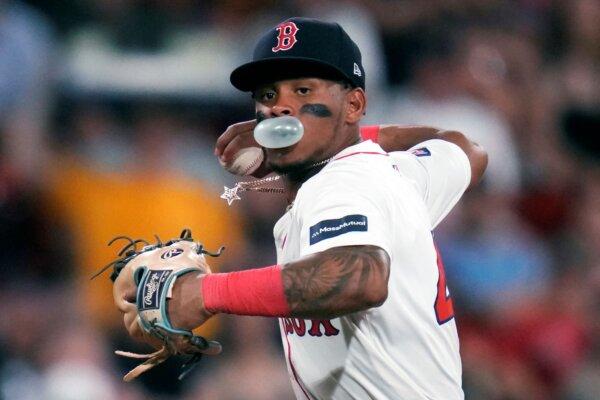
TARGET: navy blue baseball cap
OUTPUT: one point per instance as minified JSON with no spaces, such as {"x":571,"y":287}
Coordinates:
{"x":302,"y":48}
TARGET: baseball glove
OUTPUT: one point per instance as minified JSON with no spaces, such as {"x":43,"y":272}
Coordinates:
{"x":142,"y":283}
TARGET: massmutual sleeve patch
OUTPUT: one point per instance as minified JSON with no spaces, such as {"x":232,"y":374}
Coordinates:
{"x":421,"y":152}
{"x":334,"y":227}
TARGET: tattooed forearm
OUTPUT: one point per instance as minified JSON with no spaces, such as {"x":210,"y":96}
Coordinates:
{"x":337,"y":281}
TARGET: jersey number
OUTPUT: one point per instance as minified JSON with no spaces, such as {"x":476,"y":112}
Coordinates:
{"x":444,"y":310}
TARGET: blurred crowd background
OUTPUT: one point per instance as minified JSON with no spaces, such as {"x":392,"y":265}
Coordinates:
{"x":109,"y":110}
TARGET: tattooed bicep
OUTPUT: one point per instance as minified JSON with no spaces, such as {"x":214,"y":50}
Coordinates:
{"x":338,"y":279}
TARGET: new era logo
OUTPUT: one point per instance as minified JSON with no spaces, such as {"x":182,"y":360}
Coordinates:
{"x":357,"y":70}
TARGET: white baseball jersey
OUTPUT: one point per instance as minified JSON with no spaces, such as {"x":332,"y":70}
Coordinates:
{"x":408,"y":347}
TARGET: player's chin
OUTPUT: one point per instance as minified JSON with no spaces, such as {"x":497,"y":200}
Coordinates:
{"x":281,"y":168}
{"x":289,"y":167}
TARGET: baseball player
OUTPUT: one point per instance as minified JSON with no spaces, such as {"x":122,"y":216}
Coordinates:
{"x":359,"y":287}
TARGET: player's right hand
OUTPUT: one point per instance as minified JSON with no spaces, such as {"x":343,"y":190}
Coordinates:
{"x":235,"y":138}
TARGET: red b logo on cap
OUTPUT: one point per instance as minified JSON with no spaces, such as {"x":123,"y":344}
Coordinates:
{"x":287,"y":36}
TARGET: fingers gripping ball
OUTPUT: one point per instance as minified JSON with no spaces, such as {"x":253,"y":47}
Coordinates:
{"x":143,"y":283}
{"x":245,"y":162}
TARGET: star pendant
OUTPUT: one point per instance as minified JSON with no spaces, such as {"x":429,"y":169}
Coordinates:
{"x":230,"y":195}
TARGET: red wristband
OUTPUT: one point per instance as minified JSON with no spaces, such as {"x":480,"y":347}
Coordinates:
{"x":252,"y":292}
{"x":370,"y":132}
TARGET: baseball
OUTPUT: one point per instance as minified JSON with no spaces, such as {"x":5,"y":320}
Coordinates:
{"x":245,"y":161}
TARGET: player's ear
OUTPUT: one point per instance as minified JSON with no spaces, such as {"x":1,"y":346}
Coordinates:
{"x":356,"y":105}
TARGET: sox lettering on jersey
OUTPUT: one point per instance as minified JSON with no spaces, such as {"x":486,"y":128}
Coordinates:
{"x":315,"y":330}
{"x":287,"y":36}
{"x":298,"y":326}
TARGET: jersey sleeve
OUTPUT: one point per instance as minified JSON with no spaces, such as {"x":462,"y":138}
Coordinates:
{"x":342,"y":211}
{"x":441,"y":172}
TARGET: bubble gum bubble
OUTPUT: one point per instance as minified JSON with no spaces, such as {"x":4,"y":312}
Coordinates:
{"x":276,"y":133}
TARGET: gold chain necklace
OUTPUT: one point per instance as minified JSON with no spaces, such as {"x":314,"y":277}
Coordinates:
{"x":232,"y":194}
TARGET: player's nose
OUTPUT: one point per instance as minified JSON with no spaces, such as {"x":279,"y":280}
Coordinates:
{"x":281,"y":110}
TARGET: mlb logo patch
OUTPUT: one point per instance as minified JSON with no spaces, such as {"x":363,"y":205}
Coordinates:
{"x":421,"y":152}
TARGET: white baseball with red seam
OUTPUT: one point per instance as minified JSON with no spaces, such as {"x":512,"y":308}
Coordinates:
{"x":245,"y":161}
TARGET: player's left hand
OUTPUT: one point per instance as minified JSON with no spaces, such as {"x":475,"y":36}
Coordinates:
{"x":186,"y":307}
{"x":155,"y":284}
